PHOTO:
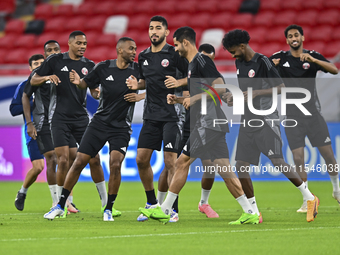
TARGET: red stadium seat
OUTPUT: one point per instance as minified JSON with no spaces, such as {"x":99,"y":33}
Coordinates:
{"x":145,"y":7}
{"x":140,"y":37}
{"x":3,"y":53}
{"x":284,"y":18}
{"x":37,"y":50}
{"x":104,"y":8}
{"x":112,"y":54}
{"x":76,"y":23}
{"x":92,"y":38}
{"x":270,"y":49}
{"x":336,"y":34}
{"x":43,"y":38}
{"x":332,"y":49}
{"x":98,"y":54}
{"x":109,"y":40}
{"x":292,"y":5}
{"x":124,"y":8}
{"x":308,"y":18}
{"x":313,"y":4}
{"x":229,"y":6}
{"x":264,"y":19}
{"x":178,"y":20}
{"x":24,"y":72}
{"x":63,"y":40}
{"x":258,"y":35}
{"x":317,"y":46}
{"x":65,"y":10}
{"x":7,"y":42}
{"x":26,"y":41}
{"x":139,"y":22}
{"x":85,"y":9}
{"x":95,"y":24}
{"x":7,"y":72}
{"x":200,"y":21}
{"x":270,"y":5}
{"x":221,"y":20}
{"x":330,"y":17}
{"x":16,"y":56}
{"x":44,"y":11}
{"x":186,"y":7}
{"x":276,"y":34}
{"x":321,"y":33}
{"x":55,"y":25}
{"x":332,"y":4}
{"x":223,"y":54}
{"x":210,"y":6}
{"x":167,"y":7}
{"x":241,"y":21}
{"x":15,"y":26}
{"x":7,"y":6}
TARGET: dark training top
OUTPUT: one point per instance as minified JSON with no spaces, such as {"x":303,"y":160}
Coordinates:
{"x":259,"y":73}
{"x":153,"y":68}
{"x":296,"y":73}
{"x":113,"y":110}
{"x":201,"y":72}
{"x":71,"y":101}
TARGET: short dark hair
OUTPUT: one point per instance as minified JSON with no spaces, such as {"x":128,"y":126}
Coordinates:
{"x":235,"y":37}
{"x":293,"y":26}
{"x":35,"y":57}
{"x":160,"y":19}
{"x":206,"y":47}
{"x":185,"y":33}
{"x":75,"y":33}
{"x":50,"y":41}
{"x":124,"y":39}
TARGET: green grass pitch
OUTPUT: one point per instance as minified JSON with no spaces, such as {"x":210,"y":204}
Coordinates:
{"x":283,"y":231}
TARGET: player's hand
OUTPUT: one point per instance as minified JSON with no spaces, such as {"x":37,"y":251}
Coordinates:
{"x":228,"y":98}
{"x":133,"y":97}
{"x":31,"y":131}
{"x":245,"y":95}
{"x":53,"y":78}
{"x":276,"y":61}
{"x":132,"y":82}
{"x":306,"y":57}
{"x":95,"y":93}
{"x":74,"y":77}
{"x":171,"y":82}
{"x":171,"y":99}
{"x":186,"y":102}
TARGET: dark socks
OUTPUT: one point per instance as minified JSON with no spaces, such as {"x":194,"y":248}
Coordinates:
{"x":151,"y":197}
{"x":64,"y":195}
{"x":110,"y":201}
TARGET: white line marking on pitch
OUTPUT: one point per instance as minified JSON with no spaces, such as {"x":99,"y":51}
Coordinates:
{"x":164,"y":234}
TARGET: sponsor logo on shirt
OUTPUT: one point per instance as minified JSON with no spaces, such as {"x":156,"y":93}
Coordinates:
{"x":110,"y":78}
{"x":286,"y":64}
{"x":306,"y":66}
{"x":251,"y":73}
{"x":145,"y":63}
{"x":84,"y":71}
{"x":64,"y":69}
{"x":165,"y":62}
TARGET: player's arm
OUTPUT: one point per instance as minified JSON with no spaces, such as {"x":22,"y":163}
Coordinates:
{"x":95,"y":93}
{"x":31,"y":131}
{"x":75,"y":79}
{"x":327,"y":66}
{"x":16,"y":105}
{"x":38,"y":80}
{"x":134,"y":97}
{"x":171,"y":82}
{"x":133,"y":84}
{"x":264,"y":92}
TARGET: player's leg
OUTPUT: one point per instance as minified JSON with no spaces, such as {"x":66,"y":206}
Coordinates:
{"x":207,"y":182}
{"x":162,"y":186}
{"x":37,"y":167}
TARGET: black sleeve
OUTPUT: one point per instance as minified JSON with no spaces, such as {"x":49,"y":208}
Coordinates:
{"x":181,"y":63}
{"x":29,"y":89}
{"x":272,"y":75}
{"x":140,"y":63}
{"x":275,"y":56}
{"x":209,"y":70}
{"x":92,"y":79}
{"x":318,"y":56}
{"x":46,"y":67}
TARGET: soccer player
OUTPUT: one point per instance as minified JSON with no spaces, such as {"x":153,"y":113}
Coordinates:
{"x":205,"y":138}
{"x":70,"y":116}
{"x":111,"y":123}
{"x":36,"y":157}
{"x":298,"y":67}
{"x":40,"y":128}
{"x":256,"y":71}
{"x":161,"y":120}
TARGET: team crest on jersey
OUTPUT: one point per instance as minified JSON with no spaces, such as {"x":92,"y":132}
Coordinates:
{"x":189,"y":73}
{"x":306,"y":66}
{"x":251,"y":73}
{"x":84,"y":71}
{"x":165,"y":62}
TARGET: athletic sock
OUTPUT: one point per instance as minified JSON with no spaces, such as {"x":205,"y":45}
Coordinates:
{"x":160,"y":196}
{"x":253,"y":204}
{"x":244,"y":203}
{"x":168,"y":202}
{"x":70,"y":199}
{"x":204,"y":196}
{"x":64,"y":195}
{"x":110,"y":201}
{"x":335,"y":182}
{"x":101,"y":188}
{"x":306,"y":182}
{"x":175,"y":205}
{"x":54,"y":193}
{"x":151,"y":197}
{"x":59,"y":190}
{"x":306,"y":194}
{"x":23,"y":190}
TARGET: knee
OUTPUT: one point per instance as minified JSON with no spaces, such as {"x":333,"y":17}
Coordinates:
{"x":142,"y":162}
{"x":63,"y":161}
{"x":115,"y":167}
{"x":298,"y":158}
{"x":169,"y":163}
{"x":38,"y":167}
{"x":277,"y":161}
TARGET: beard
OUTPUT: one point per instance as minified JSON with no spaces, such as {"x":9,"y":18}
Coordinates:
{"x":296,"y":47}
{"x":156,"y":43}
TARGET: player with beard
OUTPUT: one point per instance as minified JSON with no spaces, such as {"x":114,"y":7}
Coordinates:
{"x":298,"y":68}
{"x":256,"y":71}
{"x":114,"y":117}
{"x":70,"y":117}
{"x":205,"y":139}
{"x":162,"y":122}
